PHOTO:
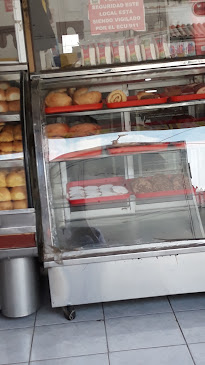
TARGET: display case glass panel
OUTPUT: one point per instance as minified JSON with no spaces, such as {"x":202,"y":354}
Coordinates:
{"x":129,"y":174}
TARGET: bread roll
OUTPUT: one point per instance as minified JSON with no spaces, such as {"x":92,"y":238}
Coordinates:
{"x":55,"y":99}
{"x":13,"y":93}
{"x":5,"y":195}
{"x":14,"y":106}
{"x":16,"y":178}
{"x":17,"y":146}
{"x":6,"y":134}
{"x":18,"y":193}
{"x":17,"y":132}
{"x":81,"y":91}
{"x":2,"y":95}
{"x":84,"y":129}
{"x":20,"y":204}
{"x":92,"y":97}
{"x":2,"y":179}
{"x":57,"y":130}
{"x":4,"y":85}
{"x":8,"y":205}
{"x":6,"y":147}
{"x":3,"y":107}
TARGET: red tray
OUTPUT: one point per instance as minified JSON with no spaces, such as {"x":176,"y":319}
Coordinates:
{"x":73,"y":108}
{"x":79,"y":154}
{"x":137,"y":149}
{"x":113,"y":180}
{"x":187,"y":97}
{"x":158,"y":194}
{"x":133,"y":101}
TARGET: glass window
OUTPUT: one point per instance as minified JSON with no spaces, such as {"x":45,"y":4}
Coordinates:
{"x":99,"y":32}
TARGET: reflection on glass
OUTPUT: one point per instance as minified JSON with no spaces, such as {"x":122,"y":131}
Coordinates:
{"x":99,"y":32}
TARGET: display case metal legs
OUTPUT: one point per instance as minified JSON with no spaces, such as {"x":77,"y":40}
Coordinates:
{"x":19,"y":286}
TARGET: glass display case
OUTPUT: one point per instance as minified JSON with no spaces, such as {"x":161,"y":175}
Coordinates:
{"x":120,"y":158}
{"x":16,"y":207}
{"x":99,"y":32}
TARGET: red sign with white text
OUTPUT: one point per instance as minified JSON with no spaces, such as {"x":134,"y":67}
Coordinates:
{"x":108,"y":16}
{"x":8,"y":5}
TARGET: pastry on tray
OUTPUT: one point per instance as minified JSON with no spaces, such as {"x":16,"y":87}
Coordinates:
{"x":57,"y":99}
{"x":84,"y":96}
{"x":147,"y":95}
{"x":57,"y":130}
{"x":116,"y":96}
{"x":84,"y":129}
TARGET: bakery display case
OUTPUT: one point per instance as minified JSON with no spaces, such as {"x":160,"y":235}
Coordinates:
{"x":120,"y":156}
{"x":18,"y":248}
{"x":16,"y":206}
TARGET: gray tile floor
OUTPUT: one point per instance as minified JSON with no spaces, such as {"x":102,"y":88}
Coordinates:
{"x":162,"y":331}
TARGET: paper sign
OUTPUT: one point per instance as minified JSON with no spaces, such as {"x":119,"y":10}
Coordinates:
{"x":108,"y":16}
{"x":8,"y":5}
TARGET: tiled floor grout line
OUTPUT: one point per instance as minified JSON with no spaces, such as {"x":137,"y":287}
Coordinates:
{"x":34,"y":325}
{"x":181,"y":331}
{"x":108,"y":354}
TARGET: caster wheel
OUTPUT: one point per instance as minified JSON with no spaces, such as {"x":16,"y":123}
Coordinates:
{"x":69,"y":312}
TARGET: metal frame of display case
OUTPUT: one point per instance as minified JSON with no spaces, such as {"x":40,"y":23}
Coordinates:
{"x":116,"y":273}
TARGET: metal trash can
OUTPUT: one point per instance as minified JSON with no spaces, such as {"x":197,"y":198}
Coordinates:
{"x":19,"y":286}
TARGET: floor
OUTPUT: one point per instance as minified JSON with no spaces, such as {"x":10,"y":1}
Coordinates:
{"x":162,"y":331}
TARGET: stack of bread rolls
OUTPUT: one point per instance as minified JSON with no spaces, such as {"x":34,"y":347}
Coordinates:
{"x":13,"y":193}
{"x":9,"y":98}
{"x":72,"y":96}
{"x":11,"y":139}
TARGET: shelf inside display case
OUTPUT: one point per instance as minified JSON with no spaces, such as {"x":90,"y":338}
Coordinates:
{"x":134,"y":108}
{"x":5,"y":117}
